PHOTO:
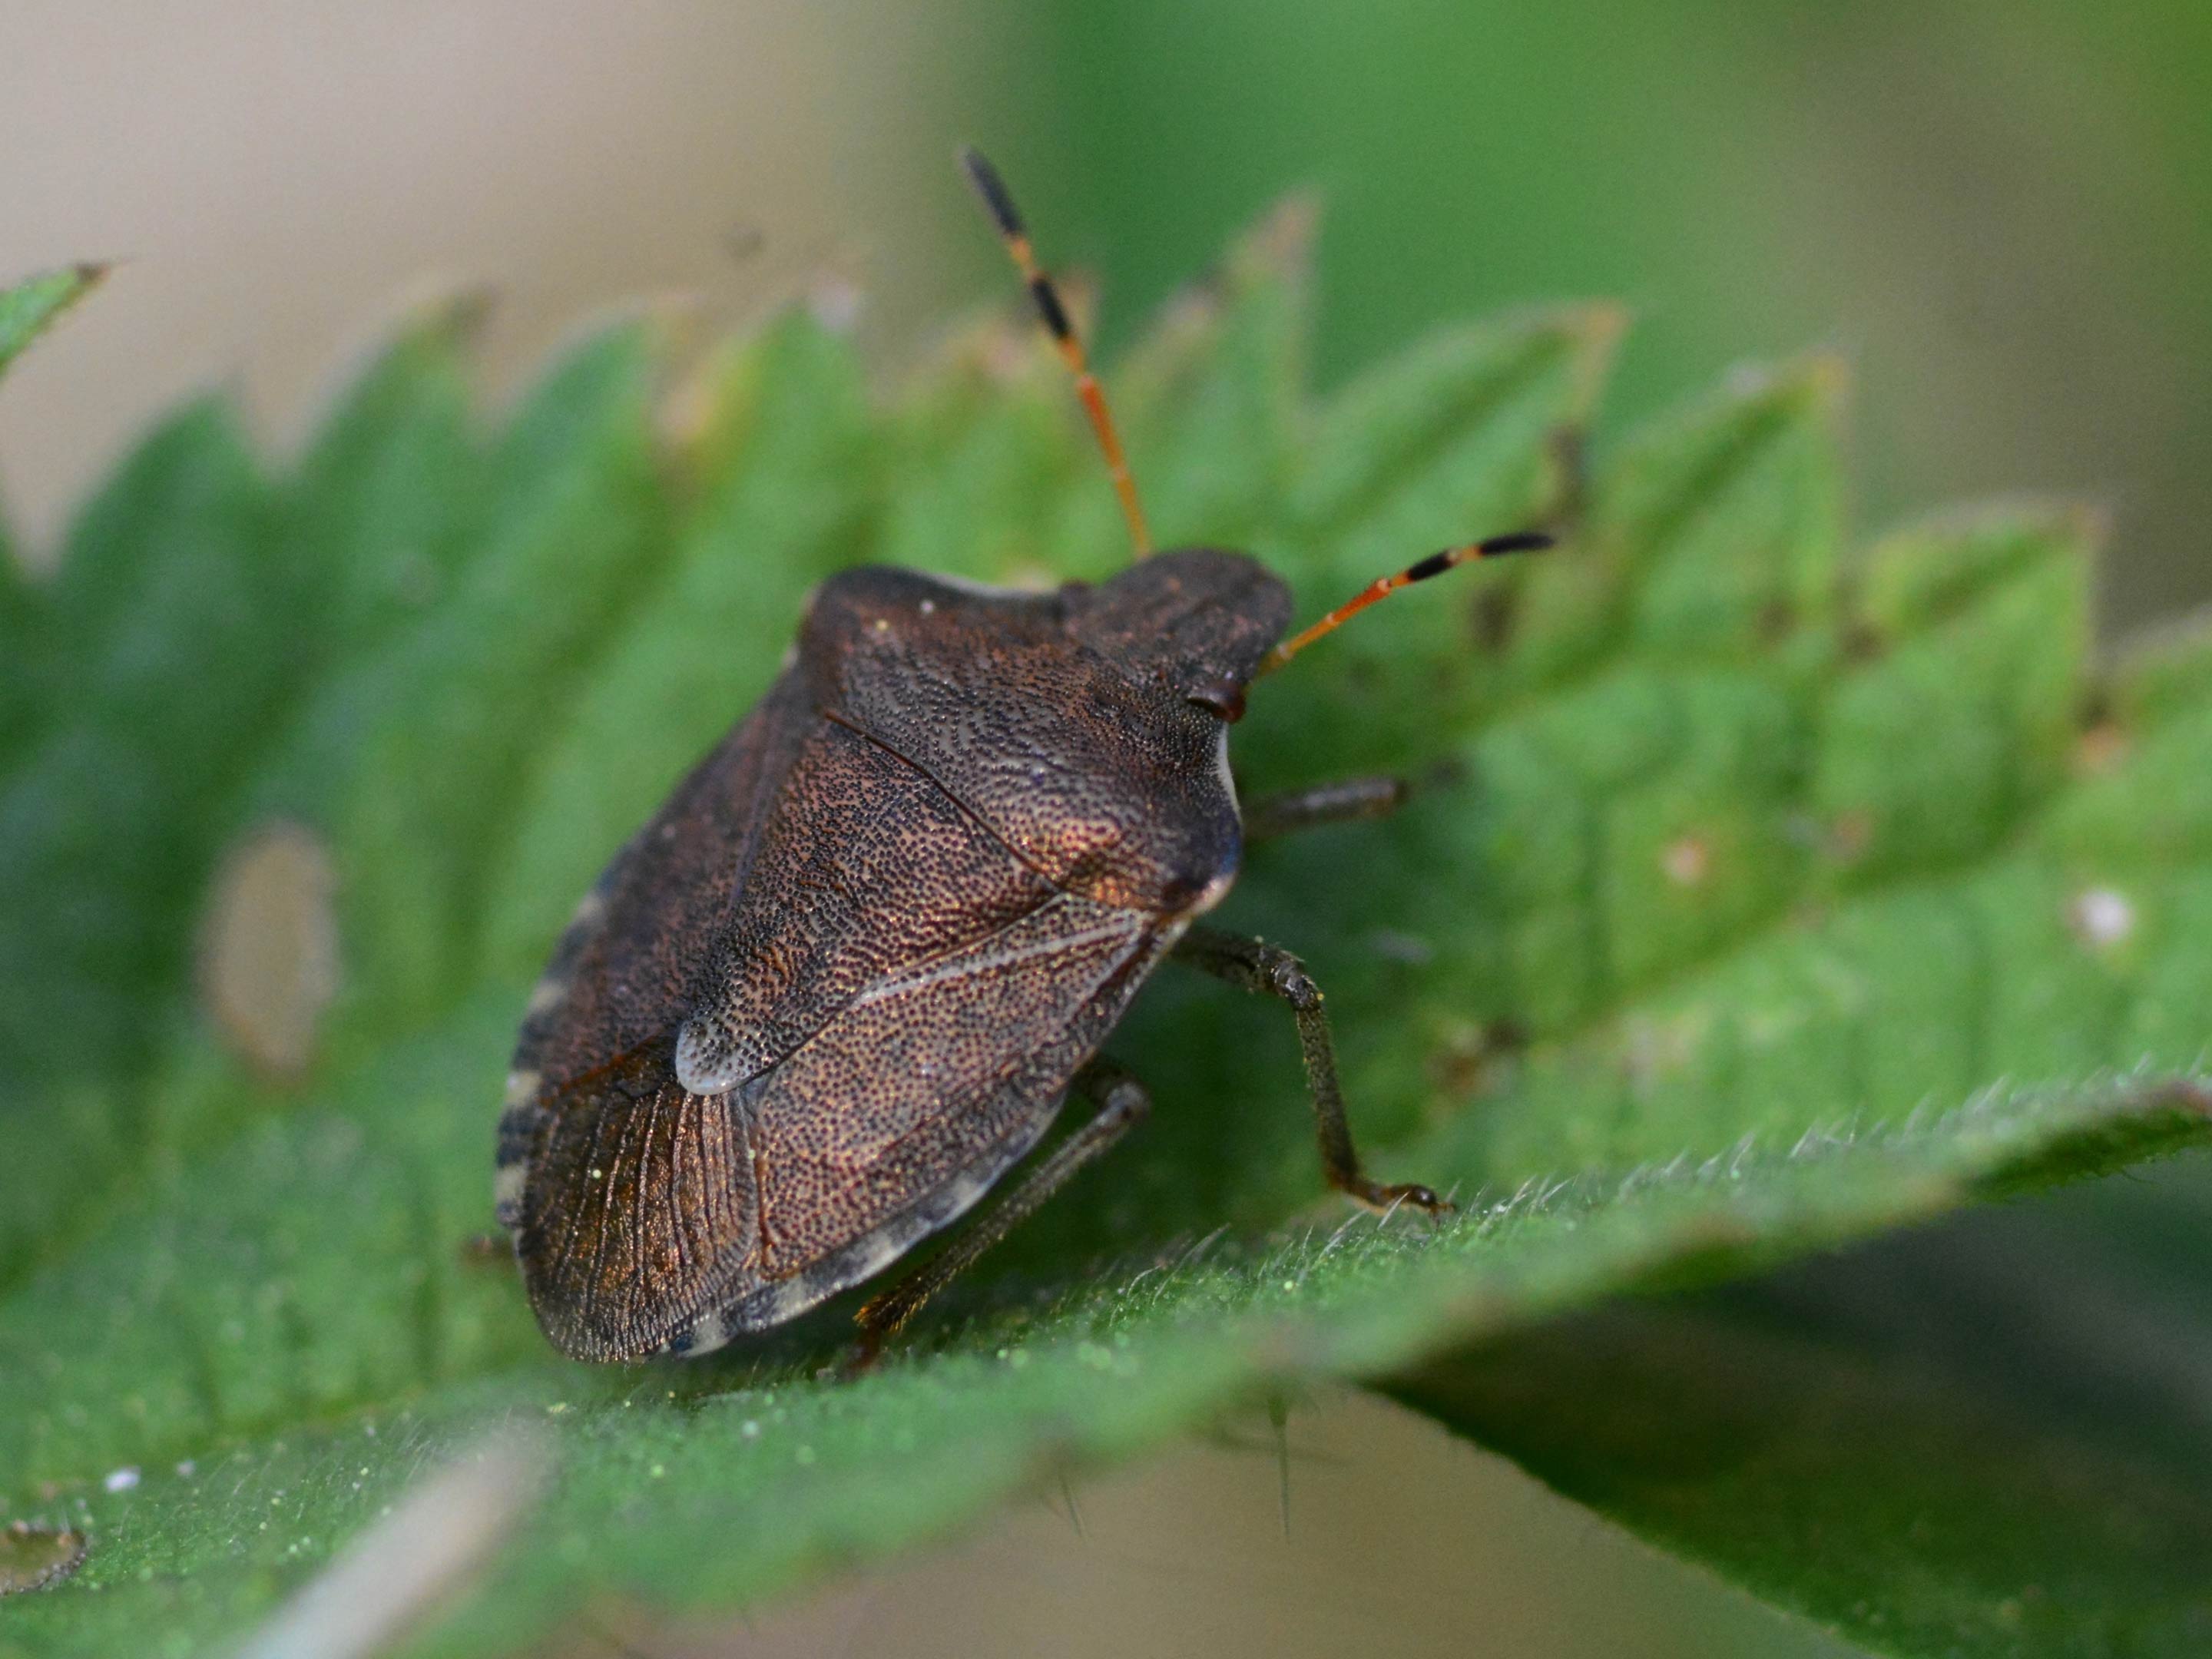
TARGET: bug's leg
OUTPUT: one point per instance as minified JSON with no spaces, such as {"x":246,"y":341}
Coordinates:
{"x":1340,"y":802}
{"x":1122,"y":1102}
{"x":1258,"y":966}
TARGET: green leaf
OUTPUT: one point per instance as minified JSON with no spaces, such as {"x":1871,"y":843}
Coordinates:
{"x":1986,"y":1439}
{"x":168,"y":663}
{"x":26,"y":311}
{"x":1755,"y":902}
{"x":29,"y":308}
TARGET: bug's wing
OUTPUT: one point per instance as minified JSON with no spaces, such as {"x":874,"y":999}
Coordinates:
{"x":886,"y":1016}
{"x":624,"y":972}
{"x":866,"y":870}
{"x":638,"y":1209}
{"x":616,"y":1184}
{"x":900,"y":1113}
{"x":657,"y":1220}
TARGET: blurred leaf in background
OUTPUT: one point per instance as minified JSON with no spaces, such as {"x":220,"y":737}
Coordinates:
{"x":28,"y":309}
{"x":2003,"y":218}
{"x":1990,"y":1437}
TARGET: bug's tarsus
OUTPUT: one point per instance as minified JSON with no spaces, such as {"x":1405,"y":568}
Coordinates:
{"x":1520,"y":541}
{"x":1256,"y":965}
{"x":999,"y":203}
{"x":1123,"y":1104}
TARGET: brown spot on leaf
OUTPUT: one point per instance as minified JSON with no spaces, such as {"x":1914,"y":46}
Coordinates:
{"x":1687,"y":862}
{"x":2102,"y":747}
{"x":269,"y":948}
{"x":34,"y":1557}
{"x":1849,"y":836}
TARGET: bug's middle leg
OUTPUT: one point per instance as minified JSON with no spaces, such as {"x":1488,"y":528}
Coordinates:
{"x":1122,"y":1102}
{"x":1258,"y":966}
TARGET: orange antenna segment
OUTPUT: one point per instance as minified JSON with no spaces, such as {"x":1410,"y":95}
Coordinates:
{"x":1521,"y":541}
{"x":1000,"y":204}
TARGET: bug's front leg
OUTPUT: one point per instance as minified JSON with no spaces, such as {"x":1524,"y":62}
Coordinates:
{"x":1260,"y":967}
{"x":1341,"y":802}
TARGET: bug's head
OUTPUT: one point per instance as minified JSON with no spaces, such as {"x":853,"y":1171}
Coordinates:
{"x":1199,"y":620}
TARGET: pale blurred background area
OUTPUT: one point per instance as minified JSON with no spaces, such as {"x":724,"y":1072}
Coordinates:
{"x":281,"y":180}
{"x":2001,"y":217}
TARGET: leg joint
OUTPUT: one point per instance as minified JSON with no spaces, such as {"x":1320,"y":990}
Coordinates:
{"x":1286,"y":977}
{"x":1126,"y":1102}
{"x":1252,"y":964}
{"x":1117,"y":1098}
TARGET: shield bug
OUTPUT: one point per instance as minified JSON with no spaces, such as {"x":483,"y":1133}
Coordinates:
{"x":841,"y":983}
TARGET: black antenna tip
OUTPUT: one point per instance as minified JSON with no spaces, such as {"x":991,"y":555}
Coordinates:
{"x":993,"y":189}
{"x":1520,"y":541}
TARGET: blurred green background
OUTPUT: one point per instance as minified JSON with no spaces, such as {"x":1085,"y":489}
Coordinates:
{"x":2001,"y":216}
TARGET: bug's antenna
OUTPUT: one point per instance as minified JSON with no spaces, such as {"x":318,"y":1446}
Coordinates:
{"x":1520,"y":541}
{"x":1000,"y":205}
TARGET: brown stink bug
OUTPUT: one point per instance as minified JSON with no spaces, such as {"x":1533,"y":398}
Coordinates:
{"x":843,"y":980}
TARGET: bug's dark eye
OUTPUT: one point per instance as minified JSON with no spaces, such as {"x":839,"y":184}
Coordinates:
{"x":1220,"y":698}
